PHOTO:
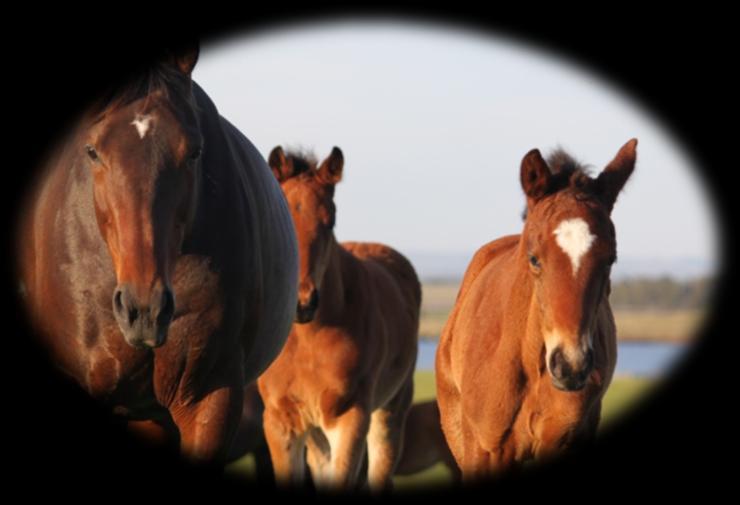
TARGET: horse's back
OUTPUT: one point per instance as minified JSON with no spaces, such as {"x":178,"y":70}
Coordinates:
{"x":396,"y":264}
{"x":278,"y":259}
{"x":271,"y":237}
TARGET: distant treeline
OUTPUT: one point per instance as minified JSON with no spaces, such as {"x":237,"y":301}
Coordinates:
{"x":661,"y":293}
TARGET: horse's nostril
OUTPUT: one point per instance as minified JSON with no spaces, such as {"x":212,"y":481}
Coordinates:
{"x":118,"y":305}
{"x":556,"y":363}
{"x":133,"y":314}
{"x":167,"y":308}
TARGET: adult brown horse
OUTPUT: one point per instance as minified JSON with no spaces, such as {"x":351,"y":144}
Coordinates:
{"x":345,"y":374}
{"x":530,"y":346}
{"x":159,"y":261}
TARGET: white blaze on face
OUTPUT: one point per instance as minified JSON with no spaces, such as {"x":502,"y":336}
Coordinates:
{"x":575,"y":238}
{"x":142,"y":123}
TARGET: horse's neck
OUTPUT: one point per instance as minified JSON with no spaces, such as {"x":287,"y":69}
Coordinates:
{"x":336,"y":282}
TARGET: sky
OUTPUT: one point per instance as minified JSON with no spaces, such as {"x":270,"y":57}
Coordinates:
{"x":433,"y":122}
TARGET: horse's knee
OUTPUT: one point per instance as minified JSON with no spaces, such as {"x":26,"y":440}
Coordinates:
{"x":286,"y":448}
{"x":207,"y":428}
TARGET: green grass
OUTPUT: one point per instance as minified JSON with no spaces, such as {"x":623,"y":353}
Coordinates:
{"x":623,"y":392}
{"x":243,"y":468}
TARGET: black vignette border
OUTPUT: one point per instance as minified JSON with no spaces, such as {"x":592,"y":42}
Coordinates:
{"x":669,"y":443}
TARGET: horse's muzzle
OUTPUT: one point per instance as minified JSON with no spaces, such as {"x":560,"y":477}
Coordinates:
{"x":143,"y":325}
{"x":305,"y":312}
{"x":567,"y":376}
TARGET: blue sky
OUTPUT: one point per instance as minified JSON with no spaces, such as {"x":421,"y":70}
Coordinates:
{"x":433,"y":123}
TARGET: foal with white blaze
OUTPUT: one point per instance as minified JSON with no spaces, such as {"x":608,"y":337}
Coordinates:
{"x":530,"y":346}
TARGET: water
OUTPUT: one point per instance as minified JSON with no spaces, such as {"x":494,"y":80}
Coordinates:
{"x":643,"y":359}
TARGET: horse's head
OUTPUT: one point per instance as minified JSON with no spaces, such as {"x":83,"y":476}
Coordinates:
{"x":143,"y":151}
{"x":310,"y":194}
{"x":569,"y":246}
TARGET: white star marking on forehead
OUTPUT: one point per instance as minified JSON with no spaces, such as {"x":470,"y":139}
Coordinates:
{"x":142,"y":123}
{"x":575,"y":238}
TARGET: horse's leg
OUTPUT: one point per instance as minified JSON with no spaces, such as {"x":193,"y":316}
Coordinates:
{"x":286,"y":449}
{"x":318,"y":457}
{"x":347,"y":445}
{"x":385,"y":438}
{"x":159,"y":432}
{"x":449,"y":401}
{"x":207,"y":427}
{"x":475,"y":461}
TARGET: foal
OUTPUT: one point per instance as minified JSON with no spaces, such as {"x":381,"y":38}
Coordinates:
{"x":344,"y":378}
{"x":530,"y":346}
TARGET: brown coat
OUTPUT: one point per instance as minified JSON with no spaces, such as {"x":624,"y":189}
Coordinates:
{"x":530,"y":346}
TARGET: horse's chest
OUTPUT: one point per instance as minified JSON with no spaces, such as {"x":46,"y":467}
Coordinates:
{"x":309,"y":367}
{"x":550,"y":422}
{"x":327,"y":350}
{"x":113,"y":372}
{"x":333,"y":364}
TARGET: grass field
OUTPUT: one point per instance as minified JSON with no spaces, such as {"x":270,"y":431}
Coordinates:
{"x":622,"y":393}
{"x":646,"y":325}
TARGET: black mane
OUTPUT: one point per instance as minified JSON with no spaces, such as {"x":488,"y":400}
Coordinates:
{"x":159,"y":77}
{"x":302,"y":160}
{"x":568,"y":175}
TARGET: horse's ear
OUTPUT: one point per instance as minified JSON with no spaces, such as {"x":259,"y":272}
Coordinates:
{"x":331,"y":168}
{"x":612,"y":179}
{"x":281,"y":167}
{"x":535,"y":176}
{"x":185,"y":57}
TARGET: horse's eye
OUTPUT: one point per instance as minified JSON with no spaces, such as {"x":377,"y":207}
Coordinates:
{"x":195,"y":154}
{"x":91,"y":152}
{"x":534,"y":261}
